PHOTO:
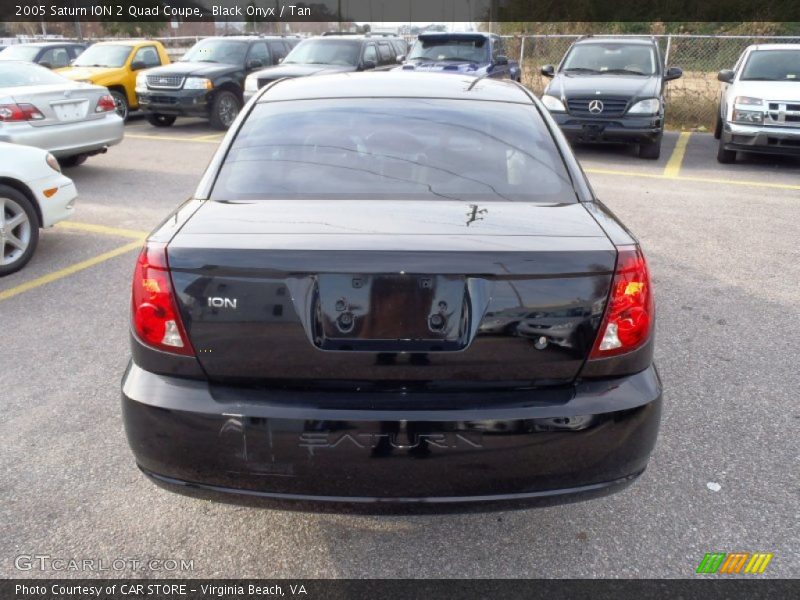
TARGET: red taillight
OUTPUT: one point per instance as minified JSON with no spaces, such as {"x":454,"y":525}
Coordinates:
{"x":154,"y":314}
{"x":629,"y":315}
{"x":105,"y":104}
{"x":20,"y":112}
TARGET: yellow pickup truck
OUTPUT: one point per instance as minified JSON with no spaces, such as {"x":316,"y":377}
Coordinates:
{"x":114,"y":65}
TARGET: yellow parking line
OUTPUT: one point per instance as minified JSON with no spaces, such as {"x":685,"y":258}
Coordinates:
{"x":673,"y":167}
{"x":169,"y":138}
{"x":777,"y":186}
{"x":213,"y":136}
{"x":61,"y":273}
{"x":92,"y":228}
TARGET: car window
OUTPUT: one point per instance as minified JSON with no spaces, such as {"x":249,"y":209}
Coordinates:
{"x":497,"y":48}
{"x":394,"y":149}
{"x":611,"y":59}
{"x":385,"y":52}
{"x":772,"y":65}
{"x":103,"y":55}
{"x":473,"y":50}
{"x":259,"y":52}
{"x":278,"y":51}
{"x":147,"y":55}
{"x":55,"y":57}
{"x":19,"y":74}
{"x":325,"y":52}
{"x":75,"y":51}
{"x":370,"y":54}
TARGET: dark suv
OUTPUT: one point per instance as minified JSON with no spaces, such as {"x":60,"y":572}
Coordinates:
{"x":331,"y":53}
{"x":209,"y":80}
{"x":611,"y":90}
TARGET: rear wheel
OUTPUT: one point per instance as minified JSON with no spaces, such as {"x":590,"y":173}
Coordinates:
{"x":224,"y":110}
{"x":121,"y":102}
{"x":72,"y":161}
{"x":19,"y":230}
{"x":725,"y":156}
{"x":157,"y":120}
{"x":650,"y":150}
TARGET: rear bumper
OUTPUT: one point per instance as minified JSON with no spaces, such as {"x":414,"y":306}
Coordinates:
{"x":623,"y":130}
{"x":67,"y":139}
{"x":237,"y":443}
{"x":767,"y":140}
{"x":189,"y":103}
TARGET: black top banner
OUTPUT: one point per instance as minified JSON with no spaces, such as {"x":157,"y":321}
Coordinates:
{"x":421,"y":11}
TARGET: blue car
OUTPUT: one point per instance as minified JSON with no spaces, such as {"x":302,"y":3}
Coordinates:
{"x":478,"y":54}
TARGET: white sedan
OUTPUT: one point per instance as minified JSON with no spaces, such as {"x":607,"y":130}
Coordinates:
{"x":33,"y":194}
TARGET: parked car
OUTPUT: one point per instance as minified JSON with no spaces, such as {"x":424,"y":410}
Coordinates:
{"x":41,"y":108}
{"x":328,"y":54}
{"x":52,"y":55}
{"x":115,"y":66}
{"x":208,"y":81}
{"x":611,"y":90}
{"x":33,"y":194}
{"x":478,"y":54}
{"x":759,"y":108}
{"x":308,"y":325}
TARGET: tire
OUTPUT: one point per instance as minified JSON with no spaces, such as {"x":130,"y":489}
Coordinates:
{"x":121,"y":102}
{"x":718,"y":127}
{"x":157,"y":120}
{"x":224,"y":110}
{"x":650,"y":150}
{"x":72,"y":161}
{"x":18,"y":222}
{"x":724,"y":156}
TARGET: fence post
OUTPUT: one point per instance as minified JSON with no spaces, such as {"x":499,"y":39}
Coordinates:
{"x":666,"y":52}
{"x":521,"y":52}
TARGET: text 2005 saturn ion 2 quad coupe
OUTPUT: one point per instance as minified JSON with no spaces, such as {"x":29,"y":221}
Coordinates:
{"x":309,"y":325}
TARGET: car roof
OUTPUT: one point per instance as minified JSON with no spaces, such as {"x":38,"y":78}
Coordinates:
{"x":467,"y":35}
{"x":395,"y":84}
{"x":46,"y":44}
{"x":774,"y":47}
{"x":617,"y":40}
{"x":126,"y":42}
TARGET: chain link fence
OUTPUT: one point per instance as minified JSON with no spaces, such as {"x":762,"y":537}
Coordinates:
{"x":691,"y":100}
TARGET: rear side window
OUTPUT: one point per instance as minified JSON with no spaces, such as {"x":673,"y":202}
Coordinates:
{"x":385,"y":53}
{"x":394,"y":149}
{"x":278,"y":51}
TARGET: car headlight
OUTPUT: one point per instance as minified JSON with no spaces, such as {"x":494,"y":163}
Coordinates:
{"x":645,"y":107}
{"x":553,"y":104}
{"x":747,"y":101}
{"x":52,"y":162}
{"x":197,"y":83}
{"x":251,"y":84}
{"x":141,"y":82}
{"x":747,"y":109}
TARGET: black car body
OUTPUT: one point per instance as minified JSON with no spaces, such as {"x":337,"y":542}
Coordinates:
{"x":611,"y":90}
{"x":208,"y":81}
{"x":319,"y":321}
{"x":330,"y":53}
{"x":53,"y":55}
{"x":477,"y":54}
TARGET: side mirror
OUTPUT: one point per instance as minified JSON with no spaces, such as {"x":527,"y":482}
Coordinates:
{"x":548,"y":71}
{"x":280,"y":60}
{"x":673,"y":73}
{"x":725,"y":76}
{"x":137,"y":65}
{"x":501,"y":61}
{"x":367,"y":65}
{"x":46,"y":65}
{"x":254,"y":64}
{"x":401,"y":58}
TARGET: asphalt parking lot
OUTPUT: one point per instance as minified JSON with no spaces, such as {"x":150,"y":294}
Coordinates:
{"x":722,"y":245}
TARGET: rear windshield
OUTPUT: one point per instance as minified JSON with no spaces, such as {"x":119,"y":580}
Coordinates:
{"x":772,"y":65}
{"x":394,"y":149}
{"x":21,"y":74}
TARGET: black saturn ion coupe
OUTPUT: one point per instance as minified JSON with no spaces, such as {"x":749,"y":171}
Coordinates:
{"x":392,"y":288}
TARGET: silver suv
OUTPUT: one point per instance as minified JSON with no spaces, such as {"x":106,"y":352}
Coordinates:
{"x":759,"y":109}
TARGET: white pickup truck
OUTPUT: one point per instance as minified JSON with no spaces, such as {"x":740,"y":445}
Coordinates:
{"x":759,"y":109}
